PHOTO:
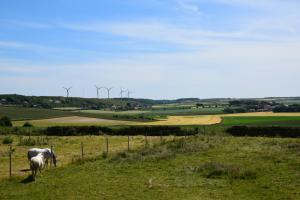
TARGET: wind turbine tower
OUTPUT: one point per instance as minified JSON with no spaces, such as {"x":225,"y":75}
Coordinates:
{"x":98,"y":88}
{"x":108,"y":91}
{"x":121,"y":92}
{"x":68,"y":90}
{"x":128,"y":93}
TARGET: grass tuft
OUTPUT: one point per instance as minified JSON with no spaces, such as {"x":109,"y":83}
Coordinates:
{"x":7,"y":140}
{"x":220,"y":170}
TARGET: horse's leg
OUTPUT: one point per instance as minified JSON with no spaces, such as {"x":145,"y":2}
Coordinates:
{"x":46,"y":163}
{"x":33,"y":174}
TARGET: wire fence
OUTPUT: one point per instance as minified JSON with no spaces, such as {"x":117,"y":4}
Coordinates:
{"x":68,"y":149}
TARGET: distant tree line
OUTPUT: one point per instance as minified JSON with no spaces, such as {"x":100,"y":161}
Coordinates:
{"x":84,"y":103}
{"x":242,"y":106}
{"x":287,"y":108}
{"x":275,"y":131}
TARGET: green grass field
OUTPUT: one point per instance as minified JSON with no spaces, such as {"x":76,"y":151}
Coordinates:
{"x":201,"y":167}
{"x":262,"y":121}
{"x":67,"y":148}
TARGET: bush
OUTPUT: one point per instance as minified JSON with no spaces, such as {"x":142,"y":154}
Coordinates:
{"x":27,"y":124}
{"x":5,"y":121}
{"x":7,"y":140}
{"x":235,"y":110}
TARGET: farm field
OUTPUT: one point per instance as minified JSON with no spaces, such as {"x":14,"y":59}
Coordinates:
{"x":74,"y":121}
{"x":158,"y":110}
{"x":20,"y":113}
{"x":68,"y":149}
{"x":262,"y":121}
{"x":130,"y":112}
{"x":202,"y":167}
{"x":79,"y":121}
{"x":266,"y":118}
{"x":262,"y":114}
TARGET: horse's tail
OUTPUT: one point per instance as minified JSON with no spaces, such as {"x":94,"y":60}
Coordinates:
{"x":54,"y":159}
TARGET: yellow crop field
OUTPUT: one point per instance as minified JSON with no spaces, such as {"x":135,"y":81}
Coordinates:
{"x":188,"y":120}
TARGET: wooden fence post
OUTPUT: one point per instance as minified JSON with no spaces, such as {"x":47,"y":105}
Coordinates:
{"x":146,"y":139}
{"x":10,"y":154}
{"x":128,"y":148}
{"x":106,"y":144}
{"x":81,"y":150}
{"x":51,"y":157}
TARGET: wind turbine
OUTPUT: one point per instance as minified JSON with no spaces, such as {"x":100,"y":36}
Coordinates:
{"x":121,"y":92}
{"x":68,"y":90}
{"x":128,"y":93}
{"x":98,"y":88}
{"x":108,"y":91}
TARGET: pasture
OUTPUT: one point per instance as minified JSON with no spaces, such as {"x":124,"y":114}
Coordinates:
{"x":200,"y":167}
{"x":68,"y":149}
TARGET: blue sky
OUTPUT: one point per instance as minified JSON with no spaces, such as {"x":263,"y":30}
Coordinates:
{"x":157,"y":48}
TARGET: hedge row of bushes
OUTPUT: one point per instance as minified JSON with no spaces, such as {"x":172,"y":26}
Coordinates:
{"x":21,"y":131}
{"x":98,"y":130}
{"x":291,"y":132}
{"x":134,"y":130}
{"x":76,"y":130}
{"x":155,"y":131}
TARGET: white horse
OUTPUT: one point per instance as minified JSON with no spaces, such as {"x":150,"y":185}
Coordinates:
{"x":36,"y":163}
{"x":47,"y":154}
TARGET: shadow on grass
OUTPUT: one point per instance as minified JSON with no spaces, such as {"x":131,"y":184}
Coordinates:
{"x":27,"y":180}
{"x":25,"y":170}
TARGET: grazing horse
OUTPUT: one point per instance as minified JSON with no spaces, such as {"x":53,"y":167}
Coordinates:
{"x":36,"y":163}
{"x":47,"y":154}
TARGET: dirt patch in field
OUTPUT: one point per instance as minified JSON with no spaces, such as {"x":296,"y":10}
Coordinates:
{"x":75,"y":119}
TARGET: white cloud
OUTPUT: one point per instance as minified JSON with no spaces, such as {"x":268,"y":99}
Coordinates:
{"x":188,"y":6}
{"x":229,"y":70}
